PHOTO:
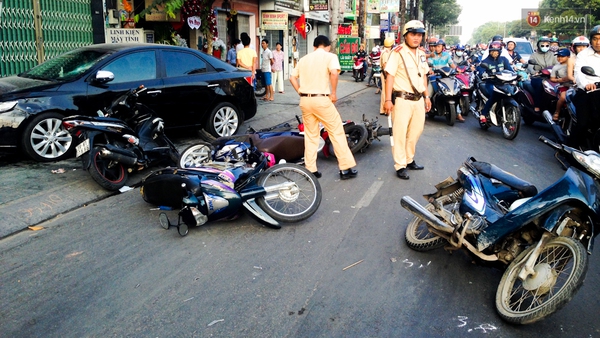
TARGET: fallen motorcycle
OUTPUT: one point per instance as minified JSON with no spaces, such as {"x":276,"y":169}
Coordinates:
{"x":497,"y":217}
{"x":220,"y":190}
{"x":283,"y":142}
{"x":126,"y":137}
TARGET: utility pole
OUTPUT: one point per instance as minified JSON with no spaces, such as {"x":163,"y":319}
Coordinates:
{"x":362,"y":19}
{"x":334,"y":14}
{"x":402,"y":19}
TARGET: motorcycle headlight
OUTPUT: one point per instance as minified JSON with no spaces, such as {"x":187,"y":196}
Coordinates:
{"x":590,"y":160}
{"x":8,"y":105}
{"x":445,"y":89}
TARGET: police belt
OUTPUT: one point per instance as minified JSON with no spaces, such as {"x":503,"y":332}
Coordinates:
{"x":406,"y":95}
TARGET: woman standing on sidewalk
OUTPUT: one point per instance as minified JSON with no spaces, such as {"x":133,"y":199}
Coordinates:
{"x":277,"y":67}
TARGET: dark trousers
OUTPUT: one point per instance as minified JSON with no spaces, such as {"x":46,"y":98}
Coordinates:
{"x":585,"y":106}
{"x":492,"y":98}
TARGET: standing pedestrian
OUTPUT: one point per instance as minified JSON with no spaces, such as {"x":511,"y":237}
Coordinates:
{"x":316,"y":72}
{"x":278,"y":56}
{"x":385,"y":55}
{"x":405,"y":87}
{"x":265,"y":67}
{"x":246,"y":57}
{"x":232,"y":53}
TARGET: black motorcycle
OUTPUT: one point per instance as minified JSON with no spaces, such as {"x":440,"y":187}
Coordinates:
{"x":505,"y":112}
{"x":126,"y":137}
{"x":446,"y":94}
{"x":247,"y":179}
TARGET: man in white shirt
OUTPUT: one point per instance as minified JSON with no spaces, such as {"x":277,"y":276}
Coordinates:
{"x":584,"y":101}
{"x":266,"y":62}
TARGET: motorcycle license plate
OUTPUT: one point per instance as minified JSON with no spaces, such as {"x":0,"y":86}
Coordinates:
{"x":82,"y":148}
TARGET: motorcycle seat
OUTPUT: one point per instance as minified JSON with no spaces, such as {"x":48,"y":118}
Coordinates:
{"x":492,"y":171}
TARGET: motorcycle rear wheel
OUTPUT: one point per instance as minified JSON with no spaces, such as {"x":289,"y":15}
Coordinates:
{"x":417,"y":234}
{"x":294,"y":204}
{"x":196,"y":155}
{"x":356,"y":135}
{"x":561,"y":269}
{"x":109,"y":174}
{"x":512,"y":124}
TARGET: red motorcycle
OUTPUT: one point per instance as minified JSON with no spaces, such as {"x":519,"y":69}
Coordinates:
{"x":358,"y":71}
{"x":467,"y":79}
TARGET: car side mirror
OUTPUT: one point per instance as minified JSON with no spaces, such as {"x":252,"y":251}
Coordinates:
{"x":104,"y":76}
{"x":587,"y":70}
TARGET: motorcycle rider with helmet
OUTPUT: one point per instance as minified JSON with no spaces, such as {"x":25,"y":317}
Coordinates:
{"x":503,"y":52}
{"x":577,"y":45}
{"x":515,"y":57}
{"x":586,"y":103}
{"x":495,"y":62}
{"x":459,"y":54}
{"x":554,"y":44}
{"x":543,"y":58}
{"x":440,"y":59}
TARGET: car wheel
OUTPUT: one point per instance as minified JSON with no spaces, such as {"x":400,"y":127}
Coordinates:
{"x":224,"y":120}
{"x":44,"y":139}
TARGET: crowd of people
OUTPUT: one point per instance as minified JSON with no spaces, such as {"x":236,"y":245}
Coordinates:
{"x":406,"y":71}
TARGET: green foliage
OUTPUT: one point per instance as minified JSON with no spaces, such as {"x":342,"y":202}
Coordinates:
{"x":452,"y":40}
{"x":440,"y":13}
{"x":170,"y":6}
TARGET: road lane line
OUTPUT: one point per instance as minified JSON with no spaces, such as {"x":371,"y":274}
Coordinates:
{"x":369,"y":194}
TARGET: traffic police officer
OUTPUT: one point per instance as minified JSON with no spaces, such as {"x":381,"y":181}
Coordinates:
{"x":407,"y":98}
{"x":316,"y":71}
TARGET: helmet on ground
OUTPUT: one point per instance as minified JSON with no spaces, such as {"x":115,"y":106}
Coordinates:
{"x":544,"y":39}
{"x":459,"y":47}
{"x":497,"y":38}
{"x":495,"y":46}
{"x":594,"y":31}
{"x":580,"y":41}
{"x":440,"y":42}
{"x":388,"y":42}
{"x":413,"y":26}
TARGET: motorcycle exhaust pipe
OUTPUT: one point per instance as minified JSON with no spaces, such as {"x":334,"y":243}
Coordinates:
{"x":560,"y":135}
{"x":418,"y":210}
{"x":126,"y":160}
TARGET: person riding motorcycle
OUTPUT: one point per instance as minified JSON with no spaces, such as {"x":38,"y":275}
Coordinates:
{"x":459,"y":54}
{"x":503,"y":52}
{"x":431,"y":46}
{"x":440,"y":59}
{"x":586,"y":102}
{"x":515,"y":57}
{"x":577,"y":45}
{"x":554,"y":44}
{"x":495,"y":63}
{"x":543,"y":58}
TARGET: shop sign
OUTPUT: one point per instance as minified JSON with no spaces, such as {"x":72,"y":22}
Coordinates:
{"x":347,"y":47}
{"x":125,"y":35}
{"x":318,"y":5}
{"x":274,"y":21}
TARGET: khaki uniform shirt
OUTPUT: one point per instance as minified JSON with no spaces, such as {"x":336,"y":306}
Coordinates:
{"x":417,"y":69}
{"x":385,"y":56}
{"x":313,"y":70}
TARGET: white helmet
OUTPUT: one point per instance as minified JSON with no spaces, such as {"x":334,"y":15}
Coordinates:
{"x":413,"y":26}
{"x":580,"y":41}
{"x":375,"y":50}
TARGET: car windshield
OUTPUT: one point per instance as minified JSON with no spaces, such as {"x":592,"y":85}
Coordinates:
{"x":524,"y":48}
{"x":67,"y":66}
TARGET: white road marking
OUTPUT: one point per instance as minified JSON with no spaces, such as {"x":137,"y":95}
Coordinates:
{"x":369,"y":194}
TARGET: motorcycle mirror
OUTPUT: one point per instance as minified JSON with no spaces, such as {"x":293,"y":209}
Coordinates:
{"x":164,"y":220}
{"x":182,"y":229}
{"x":587,"y":70}
{"x":532,"y":62}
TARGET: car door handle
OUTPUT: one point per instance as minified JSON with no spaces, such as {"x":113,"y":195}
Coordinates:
{"x":213,"y":85}
{"x":154,"y":92}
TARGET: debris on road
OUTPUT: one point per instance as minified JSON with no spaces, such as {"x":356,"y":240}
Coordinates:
{"x":36,"y":228}
{"x":351,"y":265}
{"x":58,"y":171}
{"x":215,"y":321}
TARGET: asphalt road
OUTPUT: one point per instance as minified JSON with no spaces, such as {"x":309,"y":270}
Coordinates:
{"x":109,"y":269}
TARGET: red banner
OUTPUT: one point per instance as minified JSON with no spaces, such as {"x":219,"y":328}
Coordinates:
{"x":300,"y":25}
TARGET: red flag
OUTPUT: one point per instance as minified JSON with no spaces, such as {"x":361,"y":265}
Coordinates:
{"x":300,"y":25}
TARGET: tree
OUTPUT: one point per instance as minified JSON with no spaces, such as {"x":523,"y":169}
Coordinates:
{"x":440,"y":13}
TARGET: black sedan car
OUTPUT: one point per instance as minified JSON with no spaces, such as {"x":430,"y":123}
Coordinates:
{"x":187,"y":88}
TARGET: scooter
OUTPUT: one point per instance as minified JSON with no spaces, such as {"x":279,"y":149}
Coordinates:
{"x":467,"y":81}
{"x":358,"y":71}
{"x":497,"y":217}
{"x":284,"y":142}
{"x":505,"y":112}
{"x":126,"y":137}
{"x":221,"y":190}
{"x":446,"y":94}
{"x":550,"y":97}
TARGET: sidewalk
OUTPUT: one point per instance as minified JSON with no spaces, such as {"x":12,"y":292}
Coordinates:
{"x":31,"y":193}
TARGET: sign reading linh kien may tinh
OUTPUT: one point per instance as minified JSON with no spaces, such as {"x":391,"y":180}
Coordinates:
{"x":125,"y":35}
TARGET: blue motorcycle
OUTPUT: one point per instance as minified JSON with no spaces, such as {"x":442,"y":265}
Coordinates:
{"x":497,"y":217}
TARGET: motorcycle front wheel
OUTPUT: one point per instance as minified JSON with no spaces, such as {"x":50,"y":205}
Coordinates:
{"x":356,"y":135}
{"x":512,"y":123}
{"x":289,"y":204}
{"x":109,"y":174}
{"x":560,"y":271}
{"x":196,"y":155}
{"x":259,"y":88}
{"x":450,"y":114}
{"x":465,"y":106}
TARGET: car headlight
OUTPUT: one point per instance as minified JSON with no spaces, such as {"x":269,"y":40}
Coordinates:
{"x":590,"y":160}
{"x":8,"y":105}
